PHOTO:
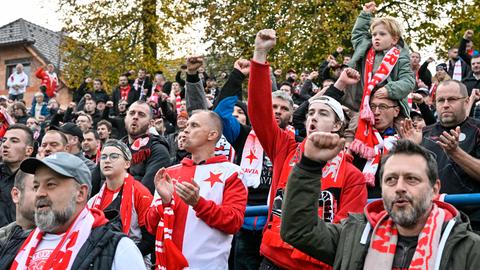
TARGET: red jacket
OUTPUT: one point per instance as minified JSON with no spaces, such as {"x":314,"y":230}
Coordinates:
{"x":50,"y":82}
{"x":282,"y":149}
{"x":204,"y":233}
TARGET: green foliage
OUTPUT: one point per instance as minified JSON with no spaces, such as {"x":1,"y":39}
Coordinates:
{"x":109,"y":37}
{"x":309,"y":30}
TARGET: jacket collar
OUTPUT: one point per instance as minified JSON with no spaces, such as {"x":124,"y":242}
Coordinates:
{"x":216,"y":159}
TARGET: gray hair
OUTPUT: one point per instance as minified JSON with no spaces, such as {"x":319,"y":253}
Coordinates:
{"x":284,"y":96}
{"x":127,"y":155}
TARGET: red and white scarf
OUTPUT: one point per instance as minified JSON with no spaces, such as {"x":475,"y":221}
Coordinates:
{"x":178,"y":102}
{"x":364,"y":141}
{"x":384,"y":242}
{"x":223,"y":147}
{"x":252,"y":161}
{"x":67,"y":249}
{"x":126,"y":204}
{"x":167,"y":254}
{"x":124,"y":90}
{"x":382,"y":147}
{"x":457,"y":71}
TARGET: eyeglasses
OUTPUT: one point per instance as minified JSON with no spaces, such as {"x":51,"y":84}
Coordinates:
{"x":112,"y":156}
{"x":449,"y":99}
{"x":381,"y":107}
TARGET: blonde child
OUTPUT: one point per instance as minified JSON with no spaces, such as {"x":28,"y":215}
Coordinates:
{"x":383,"y":60}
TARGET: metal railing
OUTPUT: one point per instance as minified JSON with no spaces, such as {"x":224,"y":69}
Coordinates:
{"x":454,"y":199}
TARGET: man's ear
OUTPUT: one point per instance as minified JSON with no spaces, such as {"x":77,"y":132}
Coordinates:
{"x":213,"y":135}
{"x":337,"y":126}
{"x":28,"y":151}
{"x":82,"y":195}
{"x":436,"y":188}
{"x":397,"y":111}
{"x":15,"y":192}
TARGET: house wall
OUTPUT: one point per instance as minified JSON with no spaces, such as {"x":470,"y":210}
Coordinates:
{"x":21,"y":52}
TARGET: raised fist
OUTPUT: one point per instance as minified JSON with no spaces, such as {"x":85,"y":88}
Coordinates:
{"x":277,"y":72}
{"x":243,"y":66}
{"x":332,"y":63}
{"x":72,"y":105}
{"x":430,"y":60}
{"x":370,"y":7}
{"x":109,"y":104}
{"x":349,"y":76}
{"x":339,"y":49}
{"x":323,"y":146}
{"x":417,"y":98}
{"x":193,"y":64}
{"x":265,"y":40}
{"x":88,"y":80}
{"x":468,"y":35}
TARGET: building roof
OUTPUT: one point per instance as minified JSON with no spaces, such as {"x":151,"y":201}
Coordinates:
{"x":46,"y":42}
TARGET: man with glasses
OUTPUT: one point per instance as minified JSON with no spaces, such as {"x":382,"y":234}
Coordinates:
{"x":385,"y":112}
{"x":455,"y":140}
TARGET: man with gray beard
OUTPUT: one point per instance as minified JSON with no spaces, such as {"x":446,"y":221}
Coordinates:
{"x":69,"y":235}
{"x":407,"y":229}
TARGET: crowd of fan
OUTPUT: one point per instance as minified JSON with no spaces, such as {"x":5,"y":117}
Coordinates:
{"x":158,"y":174}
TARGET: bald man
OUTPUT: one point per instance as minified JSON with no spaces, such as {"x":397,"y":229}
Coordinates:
{"x":205,"y":196}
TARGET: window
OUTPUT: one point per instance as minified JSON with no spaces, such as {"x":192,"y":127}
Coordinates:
{"x":10,"y":68}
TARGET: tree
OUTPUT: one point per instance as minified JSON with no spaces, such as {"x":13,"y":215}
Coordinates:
{"x":308,"y":31}
{"x":109,"y":37}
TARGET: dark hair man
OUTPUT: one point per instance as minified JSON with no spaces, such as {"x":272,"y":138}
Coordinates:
{"x":149,"y":152}
{"x":406,"y":229}
{"x":455,"y":140}
{"x":14,"y":234}
{"x":17,"y":145}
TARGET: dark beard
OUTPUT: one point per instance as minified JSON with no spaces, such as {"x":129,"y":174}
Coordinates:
{"x":411,"y":216}
{"x":140,"y":131}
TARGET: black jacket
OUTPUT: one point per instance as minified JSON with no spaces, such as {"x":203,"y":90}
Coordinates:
{"x":12,"y":237}
{"x":471,"y":82}
{"x":116,"y":96}
{"x":7,"y":207}
{"x":149,"y":154}
{"x":99,"y":250}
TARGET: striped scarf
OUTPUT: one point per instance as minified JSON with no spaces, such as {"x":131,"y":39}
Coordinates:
{"x":167,"y":254}
{"x":364,"y":142}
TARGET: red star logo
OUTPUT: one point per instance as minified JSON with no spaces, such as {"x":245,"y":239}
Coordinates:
{"x":251,"y":157}
{"x":214,"y":178}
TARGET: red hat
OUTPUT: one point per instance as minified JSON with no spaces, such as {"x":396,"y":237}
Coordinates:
{"x":183,"y":114}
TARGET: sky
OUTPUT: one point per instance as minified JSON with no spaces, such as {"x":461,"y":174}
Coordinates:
{"x":41,"y":12}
